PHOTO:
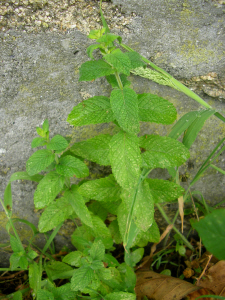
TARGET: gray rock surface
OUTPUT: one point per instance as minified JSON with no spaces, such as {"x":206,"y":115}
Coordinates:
{"x":42,"y":45}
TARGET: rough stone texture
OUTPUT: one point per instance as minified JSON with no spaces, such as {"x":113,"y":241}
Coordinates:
{"x":43,"y":43}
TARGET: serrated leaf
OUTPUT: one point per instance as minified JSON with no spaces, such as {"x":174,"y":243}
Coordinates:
{"x":96,"y":208}
{"x":211,"y":231}
{"x":58,"y":270}
{"x":104,"y":189}
{"x":132,"y":258}
{"x":96,"y":33}
{"x":58,"y":143}
{"x":71,"y":166}
{"x":64,"y":292}
{"x":125,"y":108}
{"x":115,"y":232}
{"x":82,"y":237}
{"x":34,"y":277}
{"x":94,"y":110}
{"x":48,"y":188}
{"x":114,"y":83}
{"x":91,"y":70}
{"x":96,"y":265}
{"x":38,"y":161}
{"x":25,"y":176}
{"x":110,"y":260}
{"x":82,"y":278}
{"x":111,"y":207}
{"x":15,"y":245}
{"x":54,"y":214}
{"x":135,"y":59}
{"x":45,"y":125}
{"x":95,"y":149}
{"x":120,"y":296}
{"x":152,"y":108}
{"x":44,"y":295}
{"x":77,"y":202}
{"x":128,"y":276}
{"x":152,"y":235}
{"x":125,"y":158}
{"x":120,"y":61}
{"x":23,"y":263}
{"x":163,"y":152}
{"x":73,"y":258}
{"x":91,"y":48}
{"x":14,"y":260}
{"x":109,"y":38}
{"x":38,"y":141}
{"x":97,"y":250}
{"x":41,"y":132}
{"x":164,"y":190}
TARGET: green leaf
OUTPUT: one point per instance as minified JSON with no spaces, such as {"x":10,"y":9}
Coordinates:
{"x":58,"y":270}
{"x":14,"y":260}
{"x":48,"y":188}
{"x":152,"y":235}
{"x":41,"y":132}
{"x":96,"y":208}
{"x":110,"y":260}
{"x":64,"y":292}
{"x":125,"y":108}
{"x":25,"y":176}
{"x":128,"y":276}
{"x":94,"y":110}
{"x":136,"y":256}
{"x":38,"y":161}
{"x":91,"y":48}
{"x":135,"y":59}
{"x":109,"y":38}
{"x":44,"y":295}
{"x":71,"y":166}
{"x":120,"y":296}
{"x":115,"y":232}
{"x":125,"y":158}
{"x":196,"y":126}
{"x":138,"y":201}
{"x":77,"y":202}
{"x":58,"y":143}
{"x":97,"y":250}
{"x":15,"y":245}
{"x":120,"y":61}
{"x":111,"y":207}
{"x":91,"y":70}
{"x":114,"y":83}
{"x":82,"y":237}
{"x":17,"y":296}
{"x":164,"y":190}
{"x":95,"y":149}
{"x":96,"y":265}
{"x":45,"y":125}
{"x":73,"y":258}
{"x":163,"y":152}
{"x":104,"y":189}
{"x":82,"y":278}
{"x":34,"y":277}
{"x":54,"y":214}
{"x":211,"y":231}
{"x":38,"y":141}
{"x":8,"y":199}
{"x":96,"y":33}
{"x":155,"y":109}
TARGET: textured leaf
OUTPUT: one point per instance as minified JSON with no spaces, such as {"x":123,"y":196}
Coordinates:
{"x":115,"y":232}
{"x":48,"y":188}
{"x":125,"y":158}
{"x":64,"y":292}
{"x":128,"y":276}
{"x":58,"y":142}
{"x":44,"y":295}
{"x":164,"y":190}
{"x":140,"y":205}
{"x":93,"y":69}
{"x":82,"y":278}
{"x":77,"y":202}
{"x":69,"y":166}
{"x":135,"y":59}
{"x":112,"y":80}
{"x":38,"y":141}
{"x":109,"y":38}
{"x":94,"y":110}
{"x":104,"y":189}
{"x":211,"y":231}
{"x":95,"y":149}
{"x":110,"y":260}
{"x":58,"y":270}
{"x":25,"y":176}
{"x":97,"y":250}
{"x":38,"y":161}
{"x":17,"y":296}
{"x":120,"y":296}
{"x":97,"y":209}
{"x":156,"y":109}
{"x":16,"y":247}
{"x":125,"y":108}
{"x":136,"y":255}
{"x":120,"y":61}
{"x":111,"y":207}
{"x":91,"y":48}
{"x":34,"y":277}
{"x":54,"y":214}
{"x":163,"y":152}
{"x":100,"y":229}
{"x":14,"y":260}
{"x":152,"y":235}
{"x":73,"y":258}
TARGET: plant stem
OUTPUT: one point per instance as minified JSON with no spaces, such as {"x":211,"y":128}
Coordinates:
{"x":119,"y":80}
{"x":174,"y":228}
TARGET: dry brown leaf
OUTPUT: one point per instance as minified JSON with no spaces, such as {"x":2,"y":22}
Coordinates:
{"x":198,"y":293}
{"x":181,"y":211}
{"x":161,"y":287}
{"x":215,"y":279}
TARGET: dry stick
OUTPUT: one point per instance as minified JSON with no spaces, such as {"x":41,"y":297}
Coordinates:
{"x":203,"y":272}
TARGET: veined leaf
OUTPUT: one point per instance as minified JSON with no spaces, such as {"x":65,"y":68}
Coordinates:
{"x":91,"y":48}
{"x":71,"y":166}
{"x":38,"y":161}
{"x":38,"y":141}
{"x":95,"y":149}
{"x":54,"y":214}
{"x":94,"y":110}
{"x":120,"y":61}
{"x":135,"y":59}
{"x":58,"y":270}
{"x":48,"y":188}
{"x":152,"y":235}
{"x":155,"y":109}
{"x":58,"y":143}
{"x":163,"y":152}
{"x":16,"y":247}
{"x":114,"y":83}
{"x":120,"y":296}
{"x":82,"y":278}
{"x":97,"y":251}
{"x":128,"y":276}
{"x":125,"y":158}
{"x":34,"y":277}
{"x":77,"y":202}
{"x":73,"y":258}
{"x":96,"y":208}
{"x":115,"y":232}
{"x":44,"y":295}
{"x":164,"y":190}
{"x":91,"y":70}
{"x":104,"y":189}
{"x":125,"y":108}
{"x":109,"y":38}
{"x":137,"y":202}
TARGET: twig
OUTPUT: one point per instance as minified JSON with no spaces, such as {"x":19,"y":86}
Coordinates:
{"x":203,"y":272}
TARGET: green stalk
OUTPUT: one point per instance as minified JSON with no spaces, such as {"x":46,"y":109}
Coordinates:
{"x":119,"y":80}
{"x":174,"y":228}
